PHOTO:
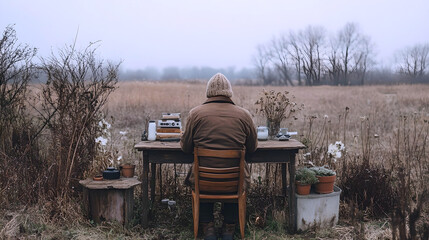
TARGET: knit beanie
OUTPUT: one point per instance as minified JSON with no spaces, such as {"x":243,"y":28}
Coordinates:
{"x":219,"y":85}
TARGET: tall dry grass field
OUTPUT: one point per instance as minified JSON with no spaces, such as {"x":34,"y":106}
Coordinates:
{"x":134,"y":103}
{"x":384,"y":129}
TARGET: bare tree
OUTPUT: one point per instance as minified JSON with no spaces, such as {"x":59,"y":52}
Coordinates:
{"x":296,"y":54}
{"x":312,"y":44}
{"x":413,"y":62}
{"x":334,"y":65}
{"x":279,"y":56}
{"x":348,"y":41}
{"x":351,"y":54}
{"x":363,"y":59}
{"x":355,"y":52}
{"x":261,"y":61}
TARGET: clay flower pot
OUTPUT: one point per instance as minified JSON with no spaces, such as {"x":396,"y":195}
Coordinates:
{"x":98,"y":178}
{"x":325,"y":184}
{"x":127,"y":170}
{"x":302,"y":189}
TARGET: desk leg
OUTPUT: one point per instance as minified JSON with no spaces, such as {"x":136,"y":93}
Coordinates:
{"x":145,"y":200}
{"x":284,"y":186}
{"x":161,"y":190}
{"x":292,"y":200}
{"x":152,"y":182}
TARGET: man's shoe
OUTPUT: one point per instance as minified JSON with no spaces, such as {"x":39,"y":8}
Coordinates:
{"x":228,"y":231}
{"x":209,"y":231}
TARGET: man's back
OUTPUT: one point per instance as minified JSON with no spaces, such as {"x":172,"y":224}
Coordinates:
{"x":219,"y":124}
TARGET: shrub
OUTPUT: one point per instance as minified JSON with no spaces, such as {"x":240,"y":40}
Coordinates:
{"x":20,"y":165}
{"x":76,"y":90}
{"x":369,"y":187}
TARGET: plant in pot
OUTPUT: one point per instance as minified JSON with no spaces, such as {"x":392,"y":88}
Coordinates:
{"x":128,"y":169}
{"x":326,"y":179}
{"x":304,"y":178}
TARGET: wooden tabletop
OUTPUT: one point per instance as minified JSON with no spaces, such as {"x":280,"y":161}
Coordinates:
{"x":122,"y":183}
{"x":262,"y":145}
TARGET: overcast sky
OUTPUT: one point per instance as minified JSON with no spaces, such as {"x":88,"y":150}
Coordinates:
{"x":219,"y":33}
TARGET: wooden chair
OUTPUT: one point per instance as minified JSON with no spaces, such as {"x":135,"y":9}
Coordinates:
{"x":219,"y":184}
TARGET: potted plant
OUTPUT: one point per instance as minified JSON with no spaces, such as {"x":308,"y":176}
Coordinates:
{"x":128,"y":169}
{"x":326,"y":179}
{"x":304,"y":178}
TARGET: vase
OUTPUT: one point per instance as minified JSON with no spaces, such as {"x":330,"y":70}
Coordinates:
{"x":325,"y":184}
{"x":273,"y":128}
{"x":127,"y":170}
{"x":302,"y":189}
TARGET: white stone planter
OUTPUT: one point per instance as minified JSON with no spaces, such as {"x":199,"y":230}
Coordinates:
{"x":317,"y":210}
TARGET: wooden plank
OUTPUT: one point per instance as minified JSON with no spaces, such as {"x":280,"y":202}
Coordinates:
{"x":122,"y":183}
{"x":284,"y":184}
{"x":145,"y":200}
{"x":292,"y":199}
{"x":219,"y":153}
{"x":222,"y":197}
{"x":152,"y":181}
{"x":263,"y":156}
{"x":262,"y":145}
{"x":217,"y":176}
{"x":219,"y":170}
{"x":221,"y":187}
{"x":107,"y":204}
{"x":129,"y":205}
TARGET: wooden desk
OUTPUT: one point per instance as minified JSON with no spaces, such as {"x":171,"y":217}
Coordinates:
{"x":155,"y":152}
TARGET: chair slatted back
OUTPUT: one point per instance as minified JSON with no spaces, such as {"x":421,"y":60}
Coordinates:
{"x":219,"y":180}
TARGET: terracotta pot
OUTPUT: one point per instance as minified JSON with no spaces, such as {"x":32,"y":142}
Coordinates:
{"x":302,"y":189}
{"x":128,"y":170}
{"x":325,"y":184}
{"x":98,"y":178}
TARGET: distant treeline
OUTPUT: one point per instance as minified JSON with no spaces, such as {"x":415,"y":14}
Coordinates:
{"x":311,"y":57}
{"x":249,"y":76}
{"x":188,"y":73}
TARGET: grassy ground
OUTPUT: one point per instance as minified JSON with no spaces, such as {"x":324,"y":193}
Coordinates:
{"x":31,"y":223}
{"x":133,"y":104}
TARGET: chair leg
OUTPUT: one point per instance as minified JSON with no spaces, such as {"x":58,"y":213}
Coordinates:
{"x":195,"y":213}
{"x":242,"y":213}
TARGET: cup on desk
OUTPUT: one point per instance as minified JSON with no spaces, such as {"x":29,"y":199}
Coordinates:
{"x":262,"y":133}
{"x":151,"y":135}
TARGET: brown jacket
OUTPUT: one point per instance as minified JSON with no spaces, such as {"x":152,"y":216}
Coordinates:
{"x":219,"y":124}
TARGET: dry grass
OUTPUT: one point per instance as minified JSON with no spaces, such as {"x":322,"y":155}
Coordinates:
{"x":134,"y":103}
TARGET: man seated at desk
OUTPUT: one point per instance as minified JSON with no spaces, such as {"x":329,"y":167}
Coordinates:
{"x":219,"y":124}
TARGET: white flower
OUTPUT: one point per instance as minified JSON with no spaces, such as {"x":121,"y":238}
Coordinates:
{"x":123,"y":132}
{"x":104,"y":124}
{"x":101,"y":140}
{"x":335,"y":150}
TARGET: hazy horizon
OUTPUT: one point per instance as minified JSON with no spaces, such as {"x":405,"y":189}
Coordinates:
{"x":218,"y":34}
